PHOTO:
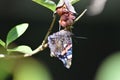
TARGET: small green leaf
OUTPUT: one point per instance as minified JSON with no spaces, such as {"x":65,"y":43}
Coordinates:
{"x":2,"y":43}
{"x":74,"y":1}
{"x":47,"y":3}
{"x":16,"y":32}
{"x":23,"y":49}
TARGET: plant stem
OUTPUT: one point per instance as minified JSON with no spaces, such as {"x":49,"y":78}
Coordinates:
{"x":80,"y":15}
{"x":10,"y":56}
{"x":44,"y":44}
{"x":49,"y":30}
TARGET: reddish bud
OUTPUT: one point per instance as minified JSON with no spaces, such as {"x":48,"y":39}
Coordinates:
{"x":63,"y":23}
{"x":66,"y":12}
{"x":71,"y":16}
{"x":69,"y":22}
{"x":64,"y":17}
{"x":61,"y":10}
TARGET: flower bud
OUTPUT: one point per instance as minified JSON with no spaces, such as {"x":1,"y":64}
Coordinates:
{"x":61,"y":10}
{"x":69,"y":22}
{"x":63,"y":23}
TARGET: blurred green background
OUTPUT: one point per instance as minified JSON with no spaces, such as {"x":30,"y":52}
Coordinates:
{"x":101,"y":30}
{"x":23,"y":69}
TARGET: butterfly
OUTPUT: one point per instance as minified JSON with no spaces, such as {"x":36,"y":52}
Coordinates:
{"x":60,"y":44}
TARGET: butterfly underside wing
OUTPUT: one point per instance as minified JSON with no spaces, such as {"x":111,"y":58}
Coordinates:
{"x":60,"y":44}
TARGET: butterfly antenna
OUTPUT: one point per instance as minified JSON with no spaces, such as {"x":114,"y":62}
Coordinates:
{"x":80,"y":37}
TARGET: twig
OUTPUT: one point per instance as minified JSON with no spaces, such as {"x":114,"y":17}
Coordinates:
{"x":44,"y":44}
{"x":78,"y":18}
{"x":10,"y":56}
{"x":49,"y":30}
{"x":40,"y":48}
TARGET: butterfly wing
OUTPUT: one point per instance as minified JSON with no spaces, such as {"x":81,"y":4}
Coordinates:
{"x":60,"y":44}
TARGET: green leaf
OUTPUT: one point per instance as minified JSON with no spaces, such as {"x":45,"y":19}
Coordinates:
{"x":47,"y":3}
{"x":16,"y":32}
{"x":74,"y":1}
{"x":2,"y":43}
{"x":23,"y":49}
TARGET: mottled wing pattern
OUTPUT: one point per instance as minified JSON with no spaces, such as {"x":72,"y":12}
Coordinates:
{"x":60,"y":44}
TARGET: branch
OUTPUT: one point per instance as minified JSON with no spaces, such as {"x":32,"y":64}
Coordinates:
{"x":49,"y":30}
{"x":44,"y":44}
{"x":80,"y":15}
{"x":10,"y":56}
{"x":38,"y":49}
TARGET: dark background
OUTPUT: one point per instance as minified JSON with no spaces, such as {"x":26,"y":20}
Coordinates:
{"x":102,"y":32}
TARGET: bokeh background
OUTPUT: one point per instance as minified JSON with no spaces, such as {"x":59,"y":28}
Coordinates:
{"x":102,"y":32}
